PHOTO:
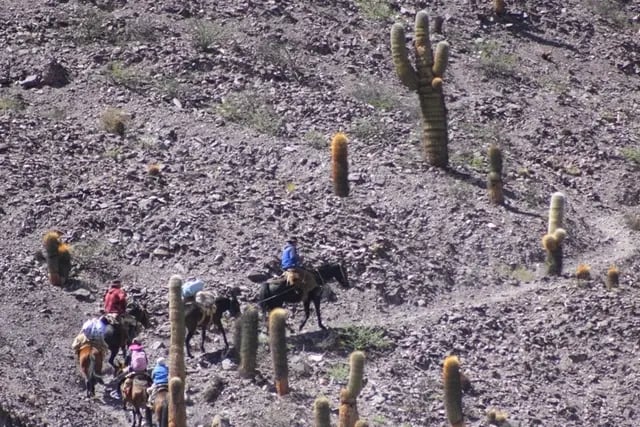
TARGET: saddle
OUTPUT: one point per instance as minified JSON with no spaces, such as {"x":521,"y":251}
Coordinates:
{"x":141,"y":379}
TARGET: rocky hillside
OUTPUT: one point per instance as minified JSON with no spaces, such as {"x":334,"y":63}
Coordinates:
{"x":233,"y":104}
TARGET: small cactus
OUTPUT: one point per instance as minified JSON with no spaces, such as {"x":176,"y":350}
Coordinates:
{"x":356,"y":372}
{"x":583,"y":272}
{"x":340,"y":165}
{"x":453,"y":391}
{"x":153,"y":169}
{"x":58,"y":258}
{"x":176,"y":319}
{"x":249,"y":342}
{"x":497,"y":417}
{"x":278,"y":344}
{"x":348,"y":410}
{"x":552,"y":241}
{"x":177,"y":408}
{"x":613,"y":277}
{"x":426,"y":80}
{"x":494,"y":179}
{"x":322,"y":412}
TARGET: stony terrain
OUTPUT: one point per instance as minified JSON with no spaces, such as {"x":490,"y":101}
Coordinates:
{"x":237,"y":102}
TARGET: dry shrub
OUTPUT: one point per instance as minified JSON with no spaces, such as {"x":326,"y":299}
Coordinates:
{"x":114,"y":120}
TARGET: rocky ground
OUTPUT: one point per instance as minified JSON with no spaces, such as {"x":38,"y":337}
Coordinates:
{"x":236,"y":101}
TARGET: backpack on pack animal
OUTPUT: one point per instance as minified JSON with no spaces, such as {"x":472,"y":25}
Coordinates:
{"x":206,"y":301}
{"x":191,"y":287}
{"x":139,"y":361}
{"x":93,"y":329}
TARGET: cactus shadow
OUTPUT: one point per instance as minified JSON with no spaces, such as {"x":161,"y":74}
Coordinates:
{"x":216,"y":357}
{"x":520,"y":25}
{"x":317,"y":341}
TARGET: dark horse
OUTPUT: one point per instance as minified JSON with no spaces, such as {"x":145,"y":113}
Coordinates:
{"x":194,"y":317}
{"x":275,"y":294}
{"x":118,"y":338}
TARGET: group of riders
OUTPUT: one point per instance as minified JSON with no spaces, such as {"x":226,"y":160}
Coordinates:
{"x":93,"y":333}
{"x":136,"y":363}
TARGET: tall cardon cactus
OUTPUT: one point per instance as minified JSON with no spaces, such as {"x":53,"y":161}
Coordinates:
{"x":426,"y":79}
{"x":177,"y":370}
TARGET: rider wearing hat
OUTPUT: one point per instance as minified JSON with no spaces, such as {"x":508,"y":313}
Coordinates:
{"x":291,"y":262}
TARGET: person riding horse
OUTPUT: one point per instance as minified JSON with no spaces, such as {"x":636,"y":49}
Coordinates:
{"x":92,"y":333}
{"x":294,"y":274}
{"x":135,"y":365}
{"x":160,"y":377}
{"x":115,"y":307}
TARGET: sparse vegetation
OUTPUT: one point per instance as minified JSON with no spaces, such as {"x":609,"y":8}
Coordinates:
{"x":363,"y":338}
{"x":92,"y":27}
{"x":366,"y":128}
{"x":316,"y":140}
{"x":374,"y":93}
{"x":632,"y":154}
{"x":494,"y":62}
{"x":114,"y":121}
{"x":633,"y":221}
{"x":121,"y":75}
{"x":611,"y":11}
{"x":251,"y":110}
{"x":206,"y":34}
{"x":339,"y":372}
{"x":375,"y":10}
{"x":11,"y":103}
{"x":519,"y":273}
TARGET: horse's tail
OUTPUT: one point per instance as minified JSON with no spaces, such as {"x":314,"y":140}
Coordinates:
{"x":164,"y":414}
{"x":93,"y":377}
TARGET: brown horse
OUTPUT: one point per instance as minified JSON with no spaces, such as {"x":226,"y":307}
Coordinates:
{"x":160,"y":406}
{"x":90,"y":364}
{"x":134,"y":392}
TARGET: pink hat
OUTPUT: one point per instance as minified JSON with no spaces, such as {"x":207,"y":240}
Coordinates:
{"x":135,"y":347}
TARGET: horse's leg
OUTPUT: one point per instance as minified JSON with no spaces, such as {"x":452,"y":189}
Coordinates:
{"x":218,"y":324}
{"x":187,"y":340}
{"x":112,"y":358}
{"x":317,"y":297}
{"x":307,"y":312}
{"x":203,"y":336}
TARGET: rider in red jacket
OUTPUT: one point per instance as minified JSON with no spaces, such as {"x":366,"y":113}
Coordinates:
{"x":115,"y":300}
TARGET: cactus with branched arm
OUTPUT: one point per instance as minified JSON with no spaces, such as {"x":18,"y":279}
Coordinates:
{"x":278,"y":344}
{"x":426,"y":79}
{"x":322,"y":412}
{"x":453,"y":391}
{"x":348,"y":410}
{"x":494,"y":179}
{"x":249,"y":342}
{"x":177,"y":408}
{"x":340,"y":165}
{"x":552,"y":241}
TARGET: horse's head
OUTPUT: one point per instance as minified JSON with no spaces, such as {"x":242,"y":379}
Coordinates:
{"x":334,"y":271}
{"x":139,"y":312}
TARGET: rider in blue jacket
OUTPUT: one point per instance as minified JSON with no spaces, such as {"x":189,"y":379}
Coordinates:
{"x":290,"y":259}
{"x":160,"y":376}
